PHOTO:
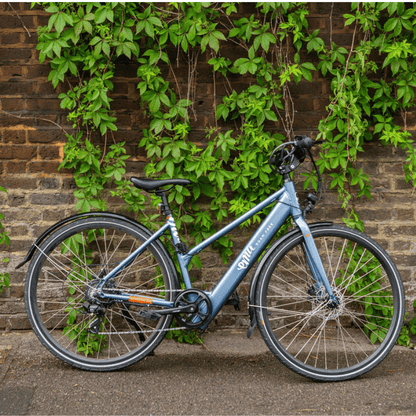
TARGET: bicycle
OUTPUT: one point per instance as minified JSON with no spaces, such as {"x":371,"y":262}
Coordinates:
{"x":102,"y":290}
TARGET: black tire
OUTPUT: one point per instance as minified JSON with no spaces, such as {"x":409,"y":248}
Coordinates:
{"x":295,"y":316}
{"x":66,"y":268}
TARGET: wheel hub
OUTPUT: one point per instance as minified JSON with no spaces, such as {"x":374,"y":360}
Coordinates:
{"x":319,"y":295}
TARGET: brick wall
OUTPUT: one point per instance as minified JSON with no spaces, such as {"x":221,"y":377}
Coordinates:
{"x":31,"y":151}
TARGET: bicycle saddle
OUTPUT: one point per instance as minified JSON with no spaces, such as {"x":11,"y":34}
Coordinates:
{"x":149,"y":185}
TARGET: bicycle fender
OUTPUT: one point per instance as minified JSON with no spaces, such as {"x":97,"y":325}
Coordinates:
{"x":267,"y":254}
{"x":105,"y":214}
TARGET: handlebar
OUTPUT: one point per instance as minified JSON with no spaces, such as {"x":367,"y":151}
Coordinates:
{"x":285,"y":161}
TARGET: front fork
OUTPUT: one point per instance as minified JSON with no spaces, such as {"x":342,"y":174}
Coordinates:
{"x":314,"y":259}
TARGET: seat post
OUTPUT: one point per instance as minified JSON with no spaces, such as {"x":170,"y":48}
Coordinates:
{"x":164,"y":208}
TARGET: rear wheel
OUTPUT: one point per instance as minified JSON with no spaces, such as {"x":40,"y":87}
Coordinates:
{"x":60,"y":301}
{"x":300,"y":324}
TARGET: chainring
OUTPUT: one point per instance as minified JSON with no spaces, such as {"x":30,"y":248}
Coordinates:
{"x":202,"y":304}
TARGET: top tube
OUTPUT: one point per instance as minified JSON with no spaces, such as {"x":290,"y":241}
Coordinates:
{"x":236,"y":222}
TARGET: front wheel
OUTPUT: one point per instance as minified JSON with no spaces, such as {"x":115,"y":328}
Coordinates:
{"x":304,"y":329}
{"x":60,"y":294}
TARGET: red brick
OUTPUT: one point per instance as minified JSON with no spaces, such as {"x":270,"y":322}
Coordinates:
{"x":50,"y":120}
{"x":49,"y":152}
{"x":42,"y":104}
{"x":8,"y":120}
{"x":44,"y":167}
{"x":16,"y":182}
{"x":8,"y":71}
{"x":45,"y":89}
{"x":13,"y":136}
{"x":17,"y":152}
{"x":15,"y":167}
{"x":15,"y":54}
{"x":32,"y":39}
{"x":11,"y":38}
{"x":37,"y":71}
{"x":46,"y":136}
{"x":11,"y":21}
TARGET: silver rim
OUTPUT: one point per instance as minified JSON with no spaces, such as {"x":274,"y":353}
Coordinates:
{"x":341,"y":340}
{"x":68,"y":270}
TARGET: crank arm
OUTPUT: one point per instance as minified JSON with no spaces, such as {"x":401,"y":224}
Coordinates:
{"x":157,"y":314}
{"x":179,"y":309}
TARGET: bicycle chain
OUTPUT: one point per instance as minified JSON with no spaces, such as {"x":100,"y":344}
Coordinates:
{"x":140,"y":332}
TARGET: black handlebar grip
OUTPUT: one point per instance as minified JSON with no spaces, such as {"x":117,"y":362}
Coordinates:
{"x":305,"y":142}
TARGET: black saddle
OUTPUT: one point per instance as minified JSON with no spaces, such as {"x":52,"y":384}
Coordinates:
{"x":150,"y":185}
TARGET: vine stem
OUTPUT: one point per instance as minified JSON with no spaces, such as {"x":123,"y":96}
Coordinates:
{"x":330,"y":26}
{"x":21,"y":21}
{"x":33,"y":118}
{"x":346,"y":69}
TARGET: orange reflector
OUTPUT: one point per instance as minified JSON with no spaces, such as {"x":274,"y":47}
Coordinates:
{"x":308,"y":235}
{"x":138,"y":299}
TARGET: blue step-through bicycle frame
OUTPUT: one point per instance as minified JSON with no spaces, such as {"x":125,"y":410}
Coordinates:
{"x":287,"y":204}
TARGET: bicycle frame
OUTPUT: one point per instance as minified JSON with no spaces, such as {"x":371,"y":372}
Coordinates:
{"x":287,"y":204}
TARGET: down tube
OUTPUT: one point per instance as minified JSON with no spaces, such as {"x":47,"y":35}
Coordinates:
{"x":249,"y":254}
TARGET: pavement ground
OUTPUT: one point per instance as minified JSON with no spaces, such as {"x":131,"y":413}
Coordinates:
{"x":231,"y":375}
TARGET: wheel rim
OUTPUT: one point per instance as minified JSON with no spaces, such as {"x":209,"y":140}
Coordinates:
{"x":63,"y":281}
{"x":332,"y":340}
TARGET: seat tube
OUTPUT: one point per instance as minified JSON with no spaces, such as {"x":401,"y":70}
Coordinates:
{"x":179,"y":256}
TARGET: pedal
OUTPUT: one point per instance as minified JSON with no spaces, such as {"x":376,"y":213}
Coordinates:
{"x":234,"y":300}
{"x":152,"y":315}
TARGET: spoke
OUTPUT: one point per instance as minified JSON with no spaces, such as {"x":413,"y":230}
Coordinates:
{"x":98,"y":246}
{"x":61,"y":310}
{"x":286,"y":304}
{"x":348,"y":280}
{"x":85,"y":256}
{"x":289,"y":295}
{"x":375,"y":281}
{"x":122,"y":339}
{"x":319,"y":344}
{"x":355,"y":342}
{"x":329,"y":259}
{"x":319,"y":328}
{"x":301,"y":261}
{"x":308,"y":317}
{"x":105,"y":249}
{"x":125,"y":270}
{"x":294,"y":287}
{"x":359,"y":327}
{"x":118,"y":245}
{"x":294,"y":274}
{"x":339,"y":261}
{"x":359,"y":277}
{"x":75,"y":255}
{"x":343,"y":343}
{"x":152,"y":266}
{"x":60,"y":268}
{"x":366,"y":323}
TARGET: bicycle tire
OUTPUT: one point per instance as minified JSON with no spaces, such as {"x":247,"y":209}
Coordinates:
{"x":295,"y":317}
{"x":68,"y":265}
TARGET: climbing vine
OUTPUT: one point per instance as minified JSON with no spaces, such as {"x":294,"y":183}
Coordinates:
{"x":4,"y":239}
{"x":84,"y":42}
